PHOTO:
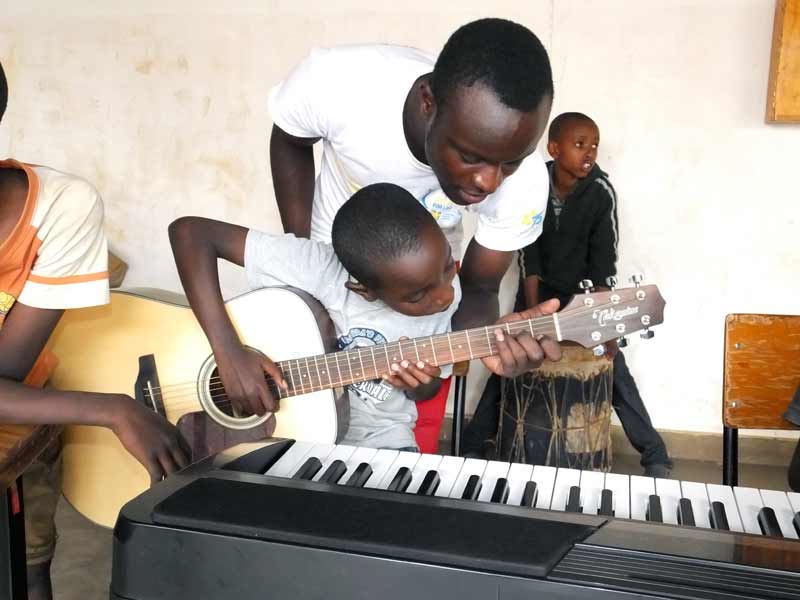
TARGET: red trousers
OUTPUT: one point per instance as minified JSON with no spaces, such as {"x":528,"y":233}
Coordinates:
{"x":430,"y":415}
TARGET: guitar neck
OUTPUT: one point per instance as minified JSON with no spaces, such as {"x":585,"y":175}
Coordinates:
{"x":338,"y":369}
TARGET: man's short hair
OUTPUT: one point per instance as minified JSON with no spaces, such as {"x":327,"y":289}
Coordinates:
{"x":505,"y":56}
{"x":380,"y":222}
{"x":563,"y":120}
{"x":3,"y":92}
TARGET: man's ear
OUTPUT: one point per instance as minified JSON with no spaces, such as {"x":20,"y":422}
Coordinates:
{"x":428,"y":102}
{"x":361,"y":290}
{"x":552,"y":149}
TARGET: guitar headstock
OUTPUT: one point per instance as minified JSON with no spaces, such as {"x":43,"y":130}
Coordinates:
{"x":591,"y":319}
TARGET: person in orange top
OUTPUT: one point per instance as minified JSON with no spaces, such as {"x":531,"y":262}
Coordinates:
{"x":53,"y":257}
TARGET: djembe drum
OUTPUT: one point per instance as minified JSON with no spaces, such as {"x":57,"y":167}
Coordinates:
{"x":560,"y":414}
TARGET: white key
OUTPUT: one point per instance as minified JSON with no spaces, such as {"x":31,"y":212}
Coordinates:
{"x":494,"y":470}
{"x":341,"y":453}
{"x":794,"y":500}
{"x":669,"y":492}
{"x":518,"y":476}
{"x":361,"y":455}
{"x":724,"y":494}
{"x":778,"y":502}
{"x":404,"y":459}
{"x":425,"y":463}
{"x":641,"y":490}
{"x":448,"y":471}
{"x":620,"y":492}
{"x":749,"y":502}
{"x":696,"y":492}
{"x":565,"y":479}
{"x":380,"y":463}
{"x":471,"y":466}
{"x":290,"y":461}
{"x":545,"y":478}
{"x":592,"y":484}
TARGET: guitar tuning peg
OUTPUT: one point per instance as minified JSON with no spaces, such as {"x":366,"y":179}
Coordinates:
{"x":622,"y":342}
{"x":636,"y":279}
{"x":586,"y":285}
{"x":599,"y":350}
{"x":611,"y":282}
{"x":647,"y":334}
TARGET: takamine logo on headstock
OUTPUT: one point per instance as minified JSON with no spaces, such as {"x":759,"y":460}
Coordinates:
{"x":605,"y":315}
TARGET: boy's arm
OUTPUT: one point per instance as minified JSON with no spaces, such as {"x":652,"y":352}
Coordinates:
{"x":603,"y":244}
{"x":147,"y":436}
{"x":197,"y":244}
{"x":531,"y":268}
{"x":292,"y":162}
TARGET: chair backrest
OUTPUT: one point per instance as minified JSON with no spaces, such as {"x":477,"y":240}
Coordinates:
{"x":761,"y":370}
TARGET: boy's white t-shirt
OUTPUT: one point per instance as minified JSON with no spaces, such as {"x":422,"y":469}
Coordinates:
{"x":352,"y":97}
{"x":381,"y":416}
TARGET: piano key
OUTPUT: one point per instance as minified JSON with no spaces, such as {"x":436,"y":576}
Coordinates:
{"x":494,"y":470}
{"x":606,"y":503}
{"x":545,"y":478}
{"x":592,"y":484}
{"x":574,"y":500}
{"x":641,"y":490}
{"x":669,"y":494}
{"x":291,"y":460}
{"x":403,"y":459}
{"x":400,"y":481}
{"x":769,"y":522}
{"x":618,"y":484}
{"x":308,"y":469}
{"x":430,"y":482}
{"x":426,"y":462}
{"x":779,"y":503}
{"x":724,"y":494}
{"x":794,"y":500}
{"x":654,"y":509}
{"x":686,"y":513}
{"x":518,"y":476}
{"x":334,"y":472}
{"x":341,"y":452}
{"x":448,"y":471}
{"x":565,"y":479}
{"x":500,"y":493}
{"x":358,"y":458}
{"x":696,"y":492}
{"x":472,"y":489}
{"x":749,"y":502}
{"x":530,"y":495}
{"x":718,"y":516}
{"x":471,"y":466}
{"x":796,"y":523}
{"x":380,"y":463}
{"x":360,"y":475}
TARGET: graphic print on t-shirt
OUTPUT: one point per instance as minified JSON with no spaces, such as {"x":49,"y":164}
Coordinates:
{"x":375,"y":390}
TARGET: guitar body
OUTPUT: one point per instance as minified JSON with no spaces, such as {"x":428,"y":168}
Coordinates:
{"x":99,"y":350}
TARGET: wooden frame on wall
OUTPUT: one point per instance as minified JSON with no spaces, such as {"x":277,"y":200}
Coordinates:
{"x":783,"y":93}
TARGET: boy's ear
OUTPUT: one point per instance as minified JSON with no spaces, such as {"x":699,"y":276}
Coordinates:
{"x":361,"y":290}
{"x":552,"y":149}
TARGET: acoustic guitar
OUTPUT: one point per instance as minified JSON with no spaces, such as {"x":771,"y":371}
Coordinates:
{"x":148,"y":344}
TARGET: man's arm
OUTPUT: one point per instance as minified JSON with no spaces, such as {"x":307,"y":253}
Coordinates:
{"x":148,"y":437}
{"x":197,"y":244}
{"x":292,"y":162}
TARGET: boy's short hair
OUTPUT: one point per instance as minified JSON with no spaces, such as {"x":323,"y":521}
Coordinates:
{"x":503,"y":55}
{"x":563,"y":120}
{"x":3,"y":92}
{"x":378,"y":223}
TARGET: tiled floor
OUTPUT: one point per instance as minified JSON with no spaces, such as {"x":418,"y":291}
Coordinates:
{"x":82,"y":567}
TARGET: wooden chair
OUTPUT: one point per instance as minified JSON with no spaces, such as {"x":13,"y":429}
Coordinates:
{"x":761,"y":374}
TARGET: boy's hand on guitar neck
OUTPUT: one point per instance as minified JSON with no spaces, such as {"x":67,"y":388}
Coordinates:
{"x":242,"y":373}
{"x":419,"y":381}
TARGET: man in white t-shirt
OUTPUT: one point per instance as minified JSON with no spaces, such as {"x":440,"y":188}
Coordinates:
{"x":451,"y":130}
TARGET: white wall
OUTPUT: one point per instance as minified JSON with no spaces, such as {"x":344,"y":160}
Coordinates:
{"x":162,"y":106}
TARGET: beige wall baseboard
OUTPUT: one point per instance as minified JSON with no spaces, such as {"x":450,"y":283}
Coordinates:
{"x":688,"y":445}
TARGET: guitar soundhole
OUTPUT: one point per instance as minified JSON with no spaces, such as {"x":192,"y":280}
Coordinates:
{"x":220,"y":399}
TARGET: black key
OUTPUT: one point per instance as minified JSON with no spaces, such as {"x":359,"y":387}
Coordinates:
{"x":473,"y":488}
{"x":574,"y":500}
{"x":360,"y":476}
{"x":769,"y":522}
{"x":530,"y":495}
{"x":309,"y":469}
{"x":401,"y":480}
{"x":653,"y":512}
{"x":717,"y":516}
{"x":685,"y":513}
{"x":429,"y":484}
{"x":796,"y":522}
{"x":334,"y":472}
{"x":606,"y":504}
{"x":500,"y":493}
